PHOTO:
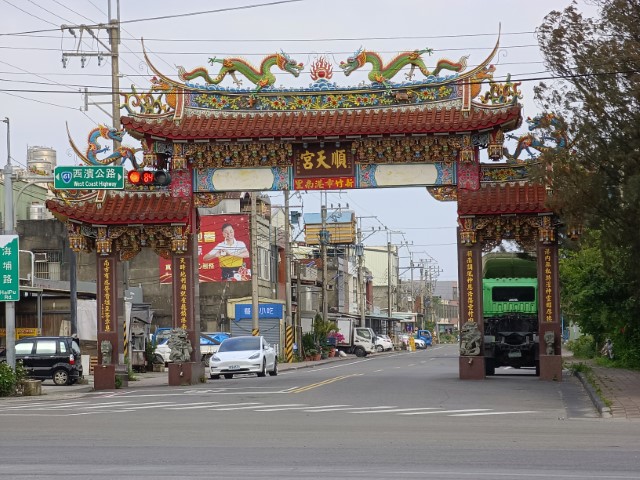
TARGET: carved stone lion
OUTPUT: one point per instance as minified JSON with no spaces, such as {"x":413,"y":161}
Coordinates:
{"x":106,"y":349}
{"x":180,"y":346}
{"x":549,"y":338}
{"x":470,"y":339}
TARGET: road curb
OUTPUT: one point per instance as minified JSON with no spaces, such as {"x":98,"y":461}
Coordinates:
{"x":603,"y":409}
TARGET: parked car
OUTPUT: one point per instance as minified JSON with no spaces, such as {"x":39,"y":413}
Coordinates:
{"x":383,"y":343}
{"x":245,"y":354}
{"x":44,"y":358}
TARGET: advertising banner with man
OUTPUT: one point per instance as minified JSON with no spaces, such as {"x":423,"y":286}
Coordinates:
{"x":223,"y":250}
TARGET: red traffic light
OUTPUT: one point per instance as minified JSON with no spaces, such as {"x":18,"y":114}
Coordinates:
{"x":158,"y":178}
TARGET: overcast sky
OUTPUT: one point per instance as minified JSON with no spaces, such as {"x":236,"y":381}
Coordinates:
{"x":39,"y":96}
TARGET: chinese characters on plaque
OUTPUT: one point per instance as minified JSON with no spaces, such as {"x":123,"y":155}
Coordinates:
{"x":327,"y":166}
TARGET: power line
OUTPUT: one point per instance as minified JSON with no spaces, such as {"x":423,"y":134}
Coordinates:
{"x":513,"y":79}
{"x":301,"y":40}
{"x":164,"y":17}
{"x":28,"y":13}
{"x":231,"y":54}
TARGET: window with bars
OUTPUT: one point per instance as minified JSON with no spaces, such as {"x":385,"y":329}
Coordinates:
{"x":47,"y":264}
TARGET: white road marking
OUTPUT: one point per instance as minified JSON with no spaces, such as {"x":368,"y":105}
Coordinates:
{"x":350,"y":409}
{"x":448,"y":411}
{"x":491,"y":413}
{"x":397,"y":410}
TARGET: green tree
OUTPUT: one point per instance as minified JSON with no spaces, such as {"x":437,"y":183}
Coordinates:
{"x":596,"y":182}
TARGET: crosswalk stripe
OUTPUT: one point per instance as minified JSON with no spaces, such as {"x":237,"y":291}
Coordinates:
{"x":352,"y":409}
{"x":398,"y":410}
{"x":233,"y":408}
{"x":490,"y":413}
{"x":286,"y":406}
{"x":193,"y":406}
{"x":447,"y":411}
{"x":127,"y":405}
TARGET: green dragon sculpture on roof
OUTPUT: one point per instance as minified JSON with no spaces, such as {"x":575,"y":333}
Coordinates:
{"x":261,"y":78}
{"x":381,"y":73}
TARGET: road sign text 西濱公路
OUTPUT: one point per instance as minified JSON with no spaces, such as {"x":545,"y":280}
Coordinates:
{"x":100,"y":177}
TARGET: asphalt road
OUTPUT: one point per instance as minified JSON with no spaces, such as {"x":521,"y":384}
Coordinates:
{"x":397,"y":415}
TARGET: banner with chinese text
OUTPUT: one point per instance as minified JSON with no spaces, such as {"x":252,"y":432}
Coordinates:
{"x":223,"y":250}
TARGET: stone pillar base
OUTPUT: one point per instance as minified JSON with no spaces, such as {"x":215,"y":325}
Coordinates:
{"x":104,"y":377}
{"x":471,"y":368}
{"x":551,"y":367}
{"x":32,"y":388}
{"x":187,"y":373}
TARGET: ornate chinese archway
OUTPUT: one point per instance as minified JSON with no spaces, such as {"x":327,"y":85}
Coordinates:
{"x":214,"y":139}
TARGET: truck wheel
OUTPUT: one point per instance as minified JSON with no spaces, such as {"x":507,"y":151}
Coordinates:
{"x":489,"y":366}
{"x":360,"y":352}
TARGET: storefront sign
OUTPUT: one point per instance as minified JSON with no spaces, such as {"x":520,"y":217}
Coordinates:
{"x":265,"y":310}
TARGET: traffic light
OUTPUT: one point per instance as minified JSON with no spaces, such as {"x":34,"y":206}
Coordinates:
{"x":158,"y":178}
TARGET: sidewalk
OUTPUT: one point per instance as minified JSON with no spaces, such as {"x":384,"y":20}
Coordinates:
{"x":619,"y":389}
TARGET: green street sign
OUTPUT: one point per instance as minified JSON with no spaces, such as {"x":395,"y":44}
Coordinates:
{"x":103,"y":177}
{"x":9,"y":261}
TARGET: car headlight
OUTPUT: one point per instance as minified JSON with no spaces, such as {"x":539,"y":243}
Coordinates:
{"x":214,"y":358}
{"x":254,"y":356}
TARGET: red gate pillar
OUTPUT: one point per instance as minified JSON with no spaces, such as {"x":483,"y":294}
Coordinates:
{"x":104,"y":375}
{"x":471,"y":367}
{"x":184,"y":271}
{"x":549,"y":324}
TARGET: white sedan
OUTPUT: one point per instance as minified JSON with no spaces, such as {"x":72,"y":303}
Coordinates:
{"x":383,"y":343}
{"x":239,"y":355}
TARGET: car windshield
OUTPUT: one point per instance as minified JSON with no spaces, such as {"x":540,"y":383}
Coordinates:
{"x":240,"y":344}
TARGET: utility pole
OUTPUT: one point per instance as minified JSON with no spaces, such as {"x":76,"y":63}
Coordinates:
{"x":255,"y":302}
{"x":287,"y":261}
{"x":111,"y":50}
{"x":9,"y":307}
{"x":361,"y":286}
{"x":113,"y":30}
{"x":324,"y":240}
{"x":389,"y":277}
{"x":413,"y":307}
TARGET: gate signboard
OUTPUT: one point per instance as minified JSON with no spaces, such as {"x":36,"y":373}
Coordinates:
{"x":9,"y":260}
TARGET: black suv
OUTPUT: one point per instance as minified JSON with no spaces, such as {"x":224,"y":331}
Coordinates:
{"x":57,"y":358}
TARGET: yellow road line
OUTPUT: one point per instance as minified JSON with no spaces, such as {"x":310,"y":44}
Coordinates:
{"x":324,"y":382}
